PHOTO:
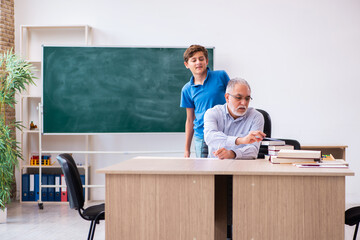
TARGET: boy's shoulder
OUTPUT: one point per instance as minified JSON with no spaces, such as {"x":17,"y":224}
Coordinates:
{"x":186,"y":86}
{"x":218,"y":72}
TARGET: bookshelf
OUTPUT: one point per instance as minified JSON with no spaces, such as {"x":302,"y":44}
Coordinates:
{"x":339,"y":152}
{"x":32,"y":38}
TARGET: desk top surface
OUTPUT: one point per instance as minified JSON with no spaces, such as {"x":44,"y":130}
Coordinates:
{"x":209,"y":166}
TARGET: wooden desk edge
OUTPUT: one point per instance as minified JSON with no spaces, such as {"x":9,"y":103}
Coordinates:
{"x":186,"y":166}
{"x":307,"y":172}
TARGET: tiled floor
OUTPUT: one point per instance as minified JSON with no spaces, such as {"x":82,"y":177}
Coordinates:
{"x":57,"y":221}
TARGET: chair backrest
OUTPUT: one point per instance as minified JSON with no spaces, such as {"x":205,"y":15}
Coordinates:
{"x":267,"y":122}
{"x":267,"y":131}
{"x":73,"y":180}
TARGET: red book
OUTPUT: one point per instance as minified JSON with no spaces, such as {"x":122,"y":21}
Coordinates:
{"x":63,"y":189}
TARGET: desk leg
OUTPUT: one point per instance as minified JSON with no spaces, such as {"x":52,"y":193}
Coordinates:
{"x":288,"y":207}
{"x":157,"y":207}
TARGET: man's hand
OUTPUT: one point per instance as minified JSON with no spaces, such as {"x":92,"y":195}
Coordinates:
{"x":223,"y":153}
{"x":253,"y":136}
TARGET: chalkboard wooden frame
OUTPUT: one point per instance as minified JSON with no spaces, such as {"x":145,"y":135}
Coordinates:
{"x":94,"y":90}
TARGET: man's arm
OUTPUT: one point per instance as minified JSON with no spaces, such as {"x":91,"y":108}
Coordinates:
{"x":251,"y":149}
{"x":246,"y":147}
{"x":213,"y":135}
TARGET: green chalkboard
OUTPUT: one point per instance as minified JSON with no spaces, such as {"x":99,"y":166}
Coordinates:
{"x":113,"y":89}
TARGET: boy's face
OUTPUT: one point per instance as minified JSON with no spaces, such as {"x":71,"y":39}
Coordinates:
{"x":197,"y":63}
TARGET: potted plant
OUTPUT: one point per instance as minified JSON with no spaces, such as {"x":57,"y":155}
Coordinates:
{"x":15,"y":75}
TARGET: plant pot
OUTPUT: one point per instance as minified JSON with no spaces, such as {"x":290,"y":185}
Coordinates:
{"x":3,"y":215}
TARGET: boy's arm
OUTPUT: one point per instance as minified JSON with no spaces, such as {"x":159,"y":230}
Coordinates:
{"x":189,"y":130}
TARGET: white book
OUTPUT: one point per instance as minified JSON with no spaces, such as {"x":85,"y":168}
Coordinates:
{"x":278,"y":148}
{"x":273,"y":150}
{"x":273,"y":143}
{"x":286,"y":153}
{"x":330,"y":163}
{"x":277,"y":159}
{"x":320,"y":166}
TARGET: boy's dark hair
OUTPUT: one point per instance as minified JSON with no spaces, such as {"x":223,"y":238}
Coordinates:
{"x":194,"y":49}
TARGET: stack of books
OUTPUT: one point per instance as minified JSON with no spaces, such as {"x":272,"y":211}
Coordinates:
{"x":275,"y":145}
{"x":296,"y":156}
{"x":337,"y":163}
{"x":327,"y":161}
{"x":274,"y":149}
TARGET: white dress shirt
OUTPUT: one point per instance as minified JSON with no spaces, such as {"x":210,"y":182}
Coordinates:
{"x":221,"y":130}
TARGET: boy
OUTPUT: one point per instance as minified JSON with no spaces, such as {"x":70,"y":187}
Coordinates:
{"x":205,"y":89}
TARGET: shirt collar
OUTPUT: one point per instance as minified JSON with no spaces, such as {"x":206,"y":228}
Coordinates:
{"x":192,"y":77}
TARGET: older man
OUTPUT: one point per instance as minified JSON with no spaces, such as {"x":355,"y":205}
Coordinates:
{"x":233,"y":130}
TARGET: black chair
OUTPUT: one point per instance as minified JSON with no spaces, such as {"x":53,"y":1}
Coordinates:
{"x":267,"y":130}
{"x":352,"y":217}
{"x":75,"y":193}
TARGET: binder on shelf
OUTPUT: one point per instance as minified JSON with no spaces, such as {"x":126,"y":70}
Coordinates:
{"x":25,"y":187}
{"x":37,"y":192}
{"x":51,"y":191}
{"x":44,"y":190}
{"x":63,"y":189}
{"x":57,"y":189}
{"x":82,"y":177}
{"x":31,"y":187}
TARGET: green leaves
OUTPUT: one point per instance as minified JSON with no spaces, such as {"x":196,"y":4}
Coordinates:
{"x":9,"y":153}
{"x":6,"y":180}
{"x":15,"y":75}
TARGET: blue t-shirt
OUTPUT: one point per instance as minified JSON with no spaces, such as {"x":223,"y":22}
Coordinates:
{"x":203,"y":97}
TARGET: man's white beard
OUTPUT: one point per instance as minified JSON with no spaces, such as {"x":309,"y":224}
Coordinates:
{"x":235,"y":112}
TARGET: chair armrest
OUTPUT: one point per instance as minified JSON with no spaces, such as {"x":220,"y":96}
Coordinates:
{"x":292,"y":142}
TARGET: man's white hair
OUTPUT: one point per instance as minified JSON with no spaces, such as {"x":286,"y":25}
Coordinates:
{"x":234,"y":81}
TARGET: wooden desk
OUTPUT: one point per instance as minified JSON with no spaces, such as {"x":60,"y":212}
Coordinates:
{"x":173,"y":198}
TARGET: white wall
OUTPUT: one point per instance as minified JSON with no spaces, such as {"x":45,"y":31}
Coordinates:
{"x":301,"y":57}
